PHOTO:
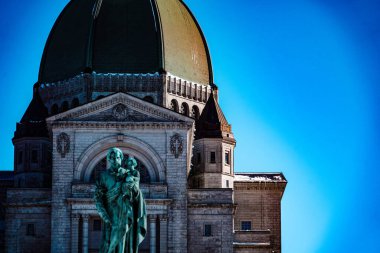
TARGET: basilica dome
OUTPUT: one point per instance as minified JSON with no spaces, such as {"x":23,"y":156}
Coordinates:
{"x":126,"y":36}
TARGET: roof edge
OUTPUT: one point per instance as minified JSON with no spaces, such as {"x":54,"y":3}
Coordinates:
{"x":211,"y":75}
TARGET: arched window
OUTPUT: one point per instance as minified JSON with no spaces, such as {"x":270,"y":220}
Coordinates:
{"x":54,"y":109}
{"x":149,"y":99}
{"x":65,"y":106}
{"x":195,"y":112}
{"x":174,"y":105}
{"x":185,"y":109}
{"x":75,"y":103}
{"x":102,"y":166}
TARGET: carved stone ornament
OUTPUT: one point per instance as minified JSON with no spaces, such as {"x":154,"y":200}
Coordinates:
{"x":63,"y":144}
{"x":176,"y":145}
{"x":120,"y":112}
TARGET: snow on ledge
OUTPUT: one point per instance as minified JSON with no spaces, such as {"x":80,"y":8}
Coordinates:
{"x":259,"y":178}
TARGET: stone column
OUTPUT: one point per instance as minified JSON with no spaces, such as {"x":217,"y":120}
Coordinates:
{"x":74,"y":232}
{"x":85,"y":218}
{"x":163,"y":233}
{"x":152,"y":233}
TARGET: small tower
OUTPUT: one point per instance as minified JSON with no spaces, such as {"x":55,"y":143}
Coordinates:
{"x":213,"y":154}
{"x":32,"y":147}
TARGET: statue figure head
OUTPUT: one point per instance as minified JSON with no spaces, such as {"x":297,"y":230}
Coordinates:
{"x":131,"y":163}
{"x":115,"y":157}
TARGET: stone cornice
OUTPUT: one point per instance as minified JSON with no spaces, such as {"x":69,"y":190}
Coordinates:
{"x":73,"y":201}
{"x":40,"y":139}
{"x":121,"y":125}
{"x":280,"y":186}
{"x":212,"y":205}
{"x":46,"y":203}
{"x":251,"y":244}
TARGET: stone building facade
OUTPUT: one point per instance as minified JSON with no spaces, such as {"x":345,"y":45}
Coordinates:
{"x":137,"y":75}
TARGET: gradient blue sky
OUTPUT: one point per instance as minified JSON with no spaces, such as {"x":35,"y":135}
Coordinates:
{"x":298,"y":80}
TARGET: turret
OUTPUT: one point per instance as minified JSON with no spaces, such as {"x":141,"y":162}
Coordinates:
{"x":32,"y":147}
{"x":213,"y":154}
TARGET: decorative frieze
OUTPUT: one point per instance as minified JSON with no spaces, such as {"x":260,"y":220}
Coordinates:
{"x":122,"y":125}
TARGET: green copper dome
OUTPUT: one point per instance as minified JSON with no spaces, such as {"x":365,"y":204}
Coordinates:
{"x":126,"y":36}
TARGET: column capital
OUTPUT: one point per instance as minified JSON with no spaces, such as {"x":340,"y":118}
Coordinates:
{"x":85,"y":217}
{"x":163,"y":217}
{"x":75,"y":216}
{"x":152,"y":217}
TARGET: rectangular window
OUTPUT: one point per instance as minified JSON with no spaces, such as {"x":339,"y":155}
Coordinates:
{"x":246,"y":225}
{"x":19,"y":157}
{"x":97,"y":225}
{"x":212,"y":157}
{"x":227,"y":157}
{"x":227,"y":184}
{"x":198,"y":158}
{"x":34,"y":156}
{"x":207,"y":230}
{"x":30,"y":230}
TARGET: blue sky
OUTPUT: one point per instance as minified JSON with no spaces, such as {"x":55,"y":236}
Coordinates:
{"x":298,"y":81}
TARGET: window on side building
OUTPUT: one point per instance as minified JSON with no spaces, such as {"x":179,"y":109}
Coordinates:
{"x":207,"y":231}
{"x":246,"y":225}
{"x":30,"y":230}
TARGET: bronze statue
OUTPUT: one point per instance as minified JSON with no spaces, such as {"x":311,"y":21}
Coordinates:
{"x":121,"y":205}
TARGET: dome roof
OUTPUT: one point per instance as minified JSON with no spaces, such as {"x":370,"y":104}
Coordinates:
{"x":126,"y":36}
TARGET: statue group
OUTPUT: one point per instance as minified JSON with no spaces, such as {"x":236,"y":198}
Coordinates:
{"x":121,"y":205}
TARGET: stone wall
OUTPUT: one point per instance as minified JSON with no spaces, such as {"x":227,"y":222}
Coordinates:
{"x":6,"y":181}
{"x":28,"y":220}
{"x":259,"y":203}
{"x":213,"y":208}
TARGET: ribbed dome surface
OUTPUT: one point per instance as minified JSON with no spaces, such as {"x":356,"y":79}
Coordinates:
{"x":126,"y":36}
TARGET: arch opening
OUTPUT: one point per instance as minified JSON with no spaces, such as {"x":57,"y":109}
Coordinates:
{"x":102,"y":166}
{"x":75,"y":103}
{"x":153,"y":167}
{"x":195,"y":112}
{"x":185,"y":109}
{"x":65,"y":106}
{"x":174,"y":105}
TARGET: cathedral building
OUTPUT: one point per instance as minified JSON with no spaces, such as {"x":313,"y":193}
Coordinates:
{"x":137,"y":75}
